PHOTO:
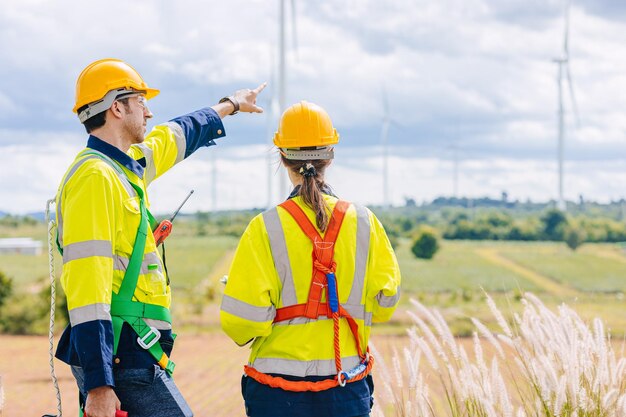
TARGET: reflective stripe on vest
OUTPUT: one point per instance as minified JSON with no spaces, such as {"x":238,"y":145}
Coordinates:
{"x":321,"y":367}
{"x":278,"y":245}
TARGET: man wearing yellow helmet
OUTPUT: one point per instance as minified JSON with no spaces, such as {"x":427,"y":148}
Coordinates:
{"x":307,"y":280}
{"x":120,"y":336}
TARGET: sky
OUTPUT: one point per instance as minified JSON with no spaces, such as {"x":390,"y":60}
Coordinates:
{"x":469,"y":84}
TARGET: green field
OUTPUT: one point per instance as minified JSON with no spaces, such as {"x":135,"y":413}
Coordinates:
{"x":189,"y":259}
{"x":463,"y":265}
{"x":458,"y":266}
{"x":597,"y":267}
{"x":589,"y":279}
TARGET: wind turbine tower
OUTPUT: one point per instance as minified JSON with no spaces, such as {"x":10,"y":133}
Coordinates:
{"x":282,"y":74}
{"x":563,"y":71}
{"x":384,"y":139}
{"x":271,"y":120}
{"x":281,"y":58}
{"x":455,"y":155}
{"x":213,"y":181}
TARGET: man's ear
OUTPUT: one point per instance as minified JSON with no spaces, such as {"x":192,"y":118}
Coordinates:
{"x":117,"y":110}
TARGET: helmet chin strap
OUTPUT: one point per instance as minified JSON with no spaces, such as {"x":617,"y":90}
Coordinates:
{"x":102,"y":105}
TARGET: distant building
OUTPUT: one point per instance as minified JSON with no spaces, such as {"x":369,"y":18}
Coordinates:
{"x":21,"y":245}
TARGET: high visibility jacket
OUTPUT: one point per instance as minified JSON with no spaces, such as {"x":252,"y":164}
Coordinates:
{"x":272,"y":268}
{"x":98,"y":216}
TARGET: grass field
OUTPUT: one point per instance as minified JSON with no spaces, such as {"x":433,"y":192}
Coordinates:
{"x":192,"y":258}
{"x":598,"y":267}
{"x":589,"y":280}
{"x":464,"y":265}
{"x":457,"y":266}
{"x":590,"y":277}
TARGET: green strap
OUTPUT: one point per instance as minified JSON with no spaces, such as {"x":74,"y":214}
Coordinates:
{"x":151,"y":220}
{"x":123,"y":308}
{"x":133,"y":270}
{"x":135,"y":309}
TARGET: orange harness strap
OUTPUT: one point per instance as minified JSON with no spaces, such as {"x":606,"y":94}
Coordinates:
{"x":300,"y":386}
{"x":323,"y":264}
{"x":323,"y":250}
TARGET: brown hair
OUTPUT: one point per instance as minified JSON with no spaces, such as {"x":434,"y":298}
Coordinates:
{"x":98,"y":120}
{"x":312,"y":172}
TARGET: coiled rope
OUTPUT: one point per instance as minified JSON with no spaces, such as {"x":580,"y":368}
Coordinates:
{"x":51,"y":238}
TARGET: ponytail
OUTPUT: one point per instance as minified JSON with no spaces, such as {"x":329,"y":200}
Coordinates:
{"x":312,"y":172}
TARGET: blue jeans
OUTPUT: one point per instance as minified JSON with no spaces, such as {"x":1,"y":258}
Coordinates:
{"x":355,"y":399}
{"x":144,"y":392}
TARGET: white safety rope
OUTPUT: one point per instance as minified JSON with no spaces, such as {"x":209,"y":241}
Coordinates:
{"x":51,"y":238}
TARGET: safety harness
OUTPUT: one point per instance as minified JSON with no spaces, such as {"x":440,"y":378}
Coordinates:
{"x":123,"y":308}
{"x":323,"y":278}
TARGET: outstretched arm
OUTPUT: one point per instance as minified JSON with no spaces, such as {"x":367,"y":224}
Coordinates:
{"x":169,"y":143}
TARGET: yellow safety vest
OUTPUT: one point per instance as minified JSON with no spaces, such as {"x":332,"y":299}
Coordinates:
{"x":272,"y":269}
{"x":98,"y":216}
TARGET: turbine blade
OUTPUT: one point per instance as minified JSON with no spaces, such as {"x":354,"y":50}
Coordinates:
{"x":571,"y":94}
{"x":396,"y":124}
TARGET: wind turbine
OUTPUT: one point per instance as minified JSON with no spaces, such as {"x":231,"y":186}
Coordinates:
{"x":564,"y":70}
{"x":455,"y":169}
{"x":282,"y":73}
{"x":213,"y":180}
{"x":384,"y":139}
{"x":272,"y":115}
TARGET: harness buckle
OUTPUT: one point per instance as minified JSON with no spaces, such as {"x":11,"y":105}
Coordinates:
{"x":342,"y":382}
{"x":150,"y":338}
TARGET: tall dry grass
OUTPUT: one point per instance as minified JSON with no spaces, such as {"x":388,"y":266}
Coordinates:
{"x":543,"y":363}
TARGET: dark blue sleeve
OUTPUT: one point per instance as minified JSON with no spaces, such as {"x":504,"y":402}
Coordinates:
{"x":200,"y":128}
{"x":93,"y":342}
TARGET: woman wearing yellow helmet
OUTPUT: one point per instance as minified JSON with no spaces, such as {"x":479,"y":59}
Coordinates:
{"x":308,"y":279}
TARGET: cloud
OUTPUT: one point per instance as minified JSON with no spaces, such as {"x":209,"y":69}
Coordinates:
{"x":31,"y":174}
{"x":8,"y":107}
{"x":607,"y":9}
{"x":475,"y":75}
{"x":244,"y":179}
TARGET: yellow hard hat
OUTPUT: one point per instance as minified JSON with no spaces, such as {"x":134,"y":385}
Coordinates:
{"x":105,"y":75}
{"x":305,"y":125}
